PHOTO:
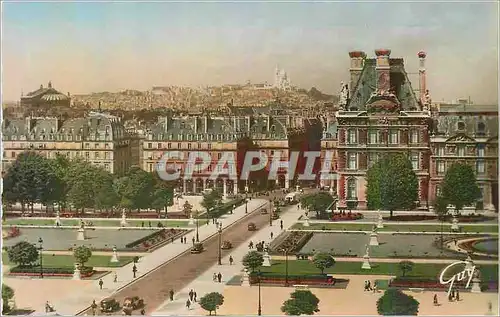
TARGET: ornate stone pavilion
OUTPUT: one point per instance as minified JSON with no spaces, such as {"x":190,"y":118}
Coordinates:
{"x":380,"y":113}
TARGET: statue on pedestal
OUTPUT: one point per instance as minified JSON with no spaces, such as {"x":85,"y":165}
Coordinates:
{"x":344,"y":95}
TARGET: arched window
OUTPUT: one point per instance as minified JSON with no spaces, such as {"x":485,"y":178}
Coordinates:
{"x":351,"y":189}
{"x":481,"y":128}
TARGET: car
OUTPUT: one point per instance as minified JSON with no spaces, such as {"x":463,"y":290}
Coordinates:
{"x":275,"y":216}
{"x":263,"y":211}
{"x":109,"y":305}
{"x":226,"y":245}
{"x":197,"y":248}
{"x":252,"y":226}
{"x":133,"y":303}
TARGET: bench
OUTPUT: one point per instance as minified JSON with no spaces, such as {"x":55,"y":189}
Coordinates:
{"x":301,"y":286}
{"x":416,"y":289}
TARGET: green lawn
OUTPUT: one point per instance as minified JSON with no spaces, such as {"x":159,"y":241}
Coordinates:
{"x":97,"y":223}
{"x":69,"y":260}
{"x":395,"y":227}
{"x":425,"y":270}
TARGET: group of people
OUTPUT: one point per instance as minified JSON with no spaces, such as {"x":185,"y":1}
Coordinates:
{"x":192,"y":298}
{"x":369,"y":287}
{"x":454,"y":295}
{"x":217,"y":277}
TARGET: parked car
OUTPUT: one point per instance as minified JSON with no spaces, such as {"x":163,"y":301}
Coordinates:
{"x":226,"y":245}
{"x":109,"y":305}
{"x":197,"y":248}
{"x":252,"y":226}
{"x":132,"y":303}
{"x":263,"y":211}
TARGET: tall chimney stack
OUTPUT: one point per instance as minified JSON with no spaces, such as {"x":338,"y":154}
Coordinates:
{"x":383,"y":69}
{"x":357,"y":63}
{"x":422,"y":84}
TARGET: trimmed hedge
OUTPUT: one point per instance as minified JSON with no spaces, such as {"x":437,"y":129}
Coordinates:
{"x":155,"y":234}
{"x":307,"y":279}
{"x":223,"y":209}
{"x":412,"y":281}
{"x":86,"y":270}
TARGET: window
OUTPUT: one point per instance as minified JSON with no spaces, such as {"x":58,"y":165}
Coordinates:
{"x":150,"y":167}
{"x":96,"y":145}
{"x":441,"y":167}
{"x":106,"y":167}
{"x":189,"y":146}
{"x":372,"y":137}
{"x":441,"y":151}
{"x":438,"y":190}
{"x":480,"y":151}
{"x":461,"y":126}
{"x":150,"y":145}
{"x":178,"y":145}
{"x":414,"y":157}
{"x":372,"y":159}
{"x":198,"y":145}
{"x":209,"y":146}
{"x":352,"y":163}
{"x":219,"y":155}
{"x":159,"y":145}
{"x":461,"y":151}
{"x":87,"y":145}
{"x":481,"y":128}
{"x":351,"y":188}
{"x":13,"y":154}
{"x":414,"y":137}
{"x":480,"y":168}
{"x":169,"y":145}
{"x":96,"y":155}
{"x":87,"y":155}
{"x":394,"y":137}
{"x":351,"y":136}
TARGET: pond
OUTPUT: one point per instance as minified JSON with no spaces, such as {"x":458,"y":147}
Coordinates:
{"x":487,"y":246}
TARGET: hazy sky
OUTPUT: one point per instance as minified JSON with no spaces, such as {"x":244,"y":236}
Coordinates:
{"x":89,"y":47}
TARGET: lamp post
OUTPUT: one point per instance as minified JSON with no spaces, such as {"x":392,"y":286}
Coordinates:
{"x":220,"y":244}
{"x":40,"y":248}
{"x":197,"y":227}
{"x":270,"y":213}
{"x":246,"y":202}
{"x":259,"y":309}
{"x":286,"y":267}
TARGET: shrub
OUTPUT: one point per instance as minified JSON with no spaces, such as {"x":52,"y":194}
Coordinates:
{"x":85,"y":270}
{"x":395,"y":302}
{"x":22,"y":253}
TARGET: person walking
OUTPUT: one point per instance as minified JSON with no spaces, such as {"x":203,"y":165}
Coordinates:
{"x":435,"y":301}
{"x":188,"y":304}
{"x":272,"y":234}
{"x":134,"y":270}
{"x":143,"y":312}
{"x":191,"y":294}
{"x":115,"y":277}
{"x":457,"y":296}
{"x":193,"y":240}
{"x":100,"y":283}
{"x":250,"y":245}
{"x":281,"y":224}
{"x":231,"y":260}
{"x":195,"y":296}
{"x":171,"y":294}
{"x":219,"y":277}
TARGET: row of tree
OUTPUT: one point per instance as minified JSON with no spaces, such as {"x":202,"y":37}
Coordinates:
{"x":33,"y":179}
{"x":392,"y":184}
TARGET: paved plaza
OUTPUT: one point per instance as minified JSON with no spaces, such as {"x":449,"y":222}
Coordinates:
{"x":353,"y":243}
{"x":64,"y":239}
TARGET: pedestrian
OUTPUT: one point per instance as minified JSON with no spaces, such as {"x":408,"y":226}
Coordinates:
{"x":369,"y":285}
{"x":450,"y":297}
{"x":143,"y":312}
{"x":457,"y":296}
{"x":366,"y":286}
{"x":134,"y":270}
{"x":281,"y":224}
{"x":188,"y":304}
{"x":115,"y":277}
{"x":453,"y":294}
{"x":191,"y":294}
{"x":214,"y":278}
{"x":490,"y":307}
{"x":195,"y":296}
{"x":150,"y":224}
{"x":250,"y":245}
{"x":436,"y":300}
{"x":172,"y":240}
{"x":272,"y":235}
{"x":193,"y":240}
{"x":142,"y":224}
{"x":213,"y":221}
{"x":100,"y":283}
{"x":374,"y":286}
{"x":171,"y":294}
{"x":219,"y":277}
{"x":231,"y":260}
{"x":208,"y":221}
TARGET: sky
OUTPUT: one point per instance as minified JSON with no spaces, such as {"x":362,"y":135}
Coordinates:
{"x":85,"y":47}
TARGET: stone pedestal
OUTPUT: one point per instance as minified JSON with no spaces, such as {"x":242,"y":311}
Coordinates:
{"x":469,"y":263}
{"x":306,"y":221}
{"x":191,"y":219}
{"x":374,"y":239}
{"x":123,"y":222}
{"x":267,"y":259}
{"x":476,"y":285}
{"x":245,"y":280}
{"x":58,"y":219}
{"x":80,"y":235}
{"x":380,"y":223}
{"x":76,"y":273}
{"x":114,"y":257}
{"x":454,"y":224}
{"x":366,"y":262}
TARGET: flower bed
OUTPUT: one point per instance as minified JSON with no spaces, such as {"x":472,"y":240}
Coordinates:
{"x":85,"y":271}
{"x":155,"y":239}
{"x":464,"y":219}
{"x":347,"y":216}
{"x":272,"y":278}
{"x":293,"y":242}
{"x":12,"y":232}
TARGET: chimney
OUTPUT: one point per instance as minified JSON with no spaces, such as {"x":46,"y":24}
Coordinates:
{"x":422,"y":85}
{"x":383,"y":69}
{"x":357,"y":63}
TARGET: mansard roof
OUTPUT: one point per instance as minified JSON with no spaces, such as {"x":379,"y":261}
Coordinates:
{"x":366,"y":86}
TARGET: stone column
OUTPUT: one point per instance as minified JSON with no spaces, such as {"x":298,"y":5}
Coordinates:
{"x":487,"y":199}
{"x":235,"y":187}
{"x":287,"y":181}
{"x":184,"y":189}
{"x":224,"y":189}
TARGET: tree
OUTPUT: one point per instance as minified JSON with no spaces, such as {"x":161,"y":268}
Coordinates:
{"x":394,"y":302}
{"x":22,"y":253}
{"x":211,"y":302}
{"x":318,"y":202}
{"x":373,"y":176}
{"x":441,"y":207}
{"x":211,"y":199}
{"x":82,"y":254}
{"x":60,"y":166}
{"x":136,"y":188}
{"x":323,"y":260}
{"x":7,"y":295}
{"x":406,"y":266}
{"x":105,"y":196}
{"x":398,"y":183}
{"x":301,"y":302}
{"x":187,"y":208}
{"x":459,"y":186}
{"x":80,"y":179}
{"x":253,"y":260}
{"x":30,"y":179}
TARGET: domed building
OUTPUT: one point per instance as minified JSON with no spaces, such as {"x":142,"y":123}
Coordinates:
{"x":45,"y":98}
